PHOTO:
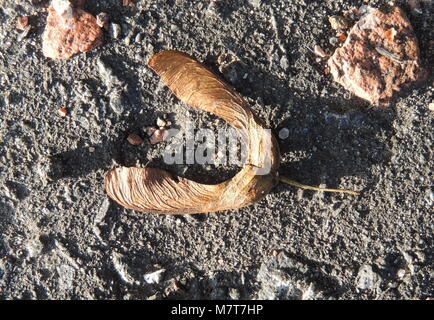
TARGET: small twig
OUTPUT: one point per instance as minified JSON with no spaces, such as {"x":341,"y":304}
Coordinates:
{"x":303,"y":186}
{"x":387,"y":54}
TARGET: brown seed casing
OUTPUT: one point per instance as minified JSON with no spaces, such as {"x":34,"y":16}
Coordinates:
{"x":156,"y":190}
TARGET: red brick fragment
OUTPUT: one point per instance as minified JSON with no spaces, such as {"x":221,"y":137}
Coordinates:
{"x":69,"y":31}
{"x":62,"y":112}
{"x":379,"y":57}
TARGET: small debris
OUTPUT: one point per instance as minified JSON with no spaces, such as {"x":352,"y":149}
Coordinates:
{"x":102,"y":212}
{"x":284,"y":133}
{"x":161,"y":123}
{"x":158,"y":136}
{"x":24,"y":33}
{"x":102,"y":20}
{"x":134,"y":139}
{"x":150,"y":131}
{"x":390,"y":34}
{"x":22,"y":23}
{"x":234,"y":293}
{"x":338,"y":22}
{"x":116,"y":101}
{"x":62,"y":112}
{"x":352,"y":13}
{"x":401,"y":273}
{"x":334,"y":41}
{"x":69,"y":31}
{"x":130,"y":3}
{"x":122,"y":268}
{"x":138,"y":37}
{"x":366,"y":278}
{"x":154,"y":277}
{"x":387,"y":54}
{"x":415,"y":6}
{"x":255,"y":3}
{"x":108,"y":75}
{"x":274,"y":252}
{"x":431,"y":106}
{"x":284,"y":63}
{"x":319,"y":51}
{"x":92,"y":149}
{"x":176,"y":286}
{"x":341,"y":37}
{"x":115,"y":31}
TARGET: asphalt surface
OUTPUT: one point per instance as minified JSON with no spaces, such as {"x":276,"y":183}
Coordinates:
{"x":62,"y":238}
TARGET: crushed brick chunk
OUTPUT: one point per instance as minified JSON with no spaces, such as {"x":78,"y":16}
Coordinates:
{"x":379,"y":57}
{"x":69,"y":31}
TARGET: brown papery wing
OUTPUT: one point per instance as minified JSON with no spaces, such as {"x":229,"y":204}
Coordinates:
{"x":156,"y":190}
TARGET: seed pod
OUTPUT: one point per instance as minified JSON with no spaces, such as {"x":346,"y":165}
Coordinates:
{"x":156,"y":190}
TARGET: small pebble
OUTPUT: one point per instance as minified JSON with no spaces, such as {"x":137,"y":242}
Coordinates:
{"x":102,"y":19}
{"x":22,"y":23}
{"x":159,"y":135}
{"x":341,"y":37}
{"x":284,"y":133}
{"x":334,"y":41}
{"x":150,"y":131}
{"x":134,"y":139}
{"x":138,"y":37}
{"x":284,"y":63}
{"x":234,"y":293}
{"x":400,"y":273}
{"x":319,"y":51}
{"x":338,"y":22}
{"x":115,"y":30}
{"x":161,"y":122}
{"x":62,"y":112}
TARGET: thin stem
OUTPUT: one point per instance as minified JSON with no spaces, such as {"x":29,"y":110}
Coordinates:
{"x":303,"y":186}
